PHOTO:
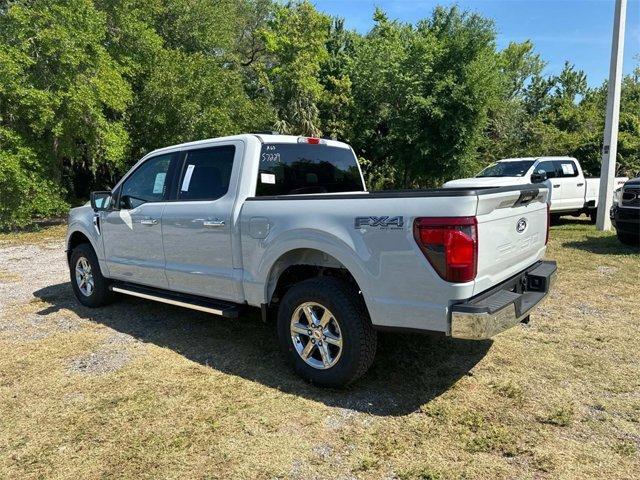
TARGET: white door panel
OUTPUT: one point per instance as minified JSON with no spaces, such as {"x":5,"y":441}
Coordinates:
{"x":133,"y":244}
{"x":133,"y":230}
{"x":572,"y":185}
{"x":197,"y":227}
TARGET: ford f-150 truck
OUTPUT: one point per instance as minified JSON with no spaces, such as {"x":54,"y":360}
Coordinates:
{"x":571,"y":193}
{"x":625,"y":213}
{"x":285,"y":224}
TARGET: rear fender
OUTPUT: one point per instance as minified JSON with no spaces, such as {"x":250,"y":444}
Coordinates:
{"x":331,"y":252}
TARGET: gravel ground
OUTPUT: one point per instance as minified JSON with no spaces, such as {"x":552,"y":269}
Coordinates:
{"x":27,"y":271}
{"x":34,"y":267}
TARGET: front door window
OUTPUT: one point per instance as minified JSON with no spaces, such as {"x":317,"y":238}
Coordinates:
{"x":147,"y":184}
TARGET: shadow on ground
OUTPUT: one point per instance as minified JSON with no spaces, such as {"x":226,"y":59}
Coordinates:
{"x":609,"y":245}
{"x":569,"y":220}
{"x":409,"y":370}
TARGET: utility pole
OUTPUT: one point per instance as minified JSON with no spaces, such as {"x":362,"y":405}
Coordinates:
{"x":610,"y":144}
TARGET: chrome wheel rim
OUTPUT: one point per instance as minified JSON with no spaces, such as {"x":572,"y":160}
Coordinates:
{"x":316,"y":335}
{"x":84,"y":277}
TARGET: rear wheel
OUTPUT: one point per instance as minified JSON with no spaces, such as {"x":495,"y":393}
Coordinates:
{"x":90,"y":287}
{"x":593,"y":216}
{"x":628,"y":239}
{"x":325,"y":331}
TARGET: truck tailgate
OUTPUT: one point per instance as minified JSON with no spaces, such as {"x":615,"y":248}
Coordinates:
{"x":512,"y":229}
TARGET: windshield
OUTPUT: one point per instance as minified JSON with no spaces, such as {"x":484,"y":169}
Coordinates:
{"x":507,"y":169}
{"x":293,"y":168}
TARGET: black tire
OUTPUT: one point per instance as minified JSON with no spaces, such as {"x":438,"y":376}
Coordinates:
{"x":628,"y":239}
{"x":555,"y":219}
{"x":349,"y":311}
{"x":100,"y":294}
{"x":593,"y":216}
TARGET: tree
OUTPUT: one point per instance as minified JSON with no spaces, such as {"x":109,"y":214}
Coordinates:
{"x":60,"y":91}
{"x":296,"y":43}
{"x":422,"y":95}
{"x":188,"y":97}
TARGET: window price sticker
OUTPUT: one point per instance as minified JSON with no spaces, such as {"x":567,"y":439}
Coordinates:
{"x":187,"y":178}
{"x":268,"y":178}
{"x":567,"y":169}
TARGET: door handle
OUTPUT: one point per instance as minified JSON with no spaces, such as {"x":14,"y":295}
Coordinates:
{"x":149,"y":221}
{"x":580,"y":184}
{"x":213,"y":223}
{"x":556,"y":186}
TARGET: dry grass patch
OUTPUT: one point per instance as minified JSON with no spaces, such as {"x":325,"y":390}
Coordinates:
{"x":37,"y":236}
{"x":139,"y":390}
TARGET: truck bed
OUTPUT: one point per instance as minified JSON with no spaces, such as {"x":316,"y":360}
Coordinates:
{"x":383,"y":256}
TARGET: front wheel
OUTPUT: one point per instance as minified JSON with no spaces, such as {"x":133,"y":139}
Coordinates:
{"x":628,"y":239}
{"x":90,"y":287}
{"x":325,"y":332}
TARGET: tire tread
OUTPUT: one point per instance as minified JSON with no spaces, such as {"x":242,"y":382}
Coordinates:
{"x":352,"y":308}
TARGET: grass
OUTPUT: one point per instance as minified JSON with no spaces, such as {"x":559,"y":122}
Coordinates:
{"x":183,"y":395}
{"x":36,"y":235}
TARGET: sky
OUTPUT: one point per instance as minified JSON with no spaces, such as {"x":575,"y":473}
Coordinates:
{"x":579,"y":31}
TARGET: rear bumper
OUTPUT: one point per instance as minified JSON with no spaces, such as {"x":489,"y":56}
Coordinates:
{"x":503,"y":306}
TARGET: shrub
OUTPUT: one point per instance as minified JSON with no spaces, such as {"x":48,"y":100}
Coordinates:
{"x":25,"y":191}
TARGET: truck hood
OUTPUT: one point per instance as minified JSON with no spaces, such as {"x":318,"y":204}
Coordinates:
{"x":485,"y":182}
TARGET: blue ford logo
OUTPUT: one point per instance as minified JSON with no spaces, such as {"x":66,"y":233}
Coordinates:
{"x":521,"y":226}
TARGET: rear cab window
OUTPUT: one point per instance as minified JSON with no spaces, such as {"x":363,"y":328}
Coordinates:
{"x":298,"y":168}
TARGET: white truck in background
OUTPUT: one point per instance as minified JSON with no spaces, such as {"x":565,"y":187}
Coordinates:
{"x":571,"y":192}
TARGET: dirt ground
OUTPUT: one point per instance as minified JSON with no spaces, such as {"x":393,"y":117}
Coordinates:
{"x":139,"y":390}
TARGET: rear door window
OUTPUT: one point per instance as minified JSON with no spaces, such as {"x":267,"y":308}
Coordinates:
{"x":566,"y":168}
{"x":206,"y":173}
{"x":293,"y":168}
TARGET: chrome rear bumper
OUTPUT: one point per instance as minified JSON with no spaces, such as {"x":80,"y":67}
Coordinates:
{"x":504,"y":306}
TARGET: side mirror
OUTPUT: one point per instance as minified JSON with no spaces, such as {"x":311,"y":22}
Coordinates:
{"x":100,"y":200}
{"x":538,"y":177}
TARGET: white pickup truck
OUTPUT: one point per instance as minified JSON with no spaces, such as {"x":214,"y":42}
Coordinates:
{"x":571,"y":192}
{"x":285,"y":224}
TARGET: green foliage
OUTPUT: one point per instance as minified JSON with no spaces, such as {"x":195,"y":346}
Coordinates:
{"x":422,"y":95}
{"x":189,"y":97}
{"x":25,"y":190}
{"x":88,"y":86}
{"x":61,"y":92}
{"x":296,"y":44}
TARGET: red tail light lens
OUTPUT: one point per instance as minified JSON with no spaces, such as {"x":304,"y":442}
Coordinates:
{"x":546,"y":240}
{"x":450,"y":245}
{"x":312,"y":140}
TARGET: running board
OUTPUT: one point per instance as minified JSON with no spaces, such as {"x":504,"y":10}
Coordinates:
{"x":202,"y":304}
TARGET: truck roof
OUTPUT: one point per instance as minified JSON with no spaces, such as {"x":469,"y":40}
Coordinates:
{"x":262,"y":137}
{"x":533,"y":159}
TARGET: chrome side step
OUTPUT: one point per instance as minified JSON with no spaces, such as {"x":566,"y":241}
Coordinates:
{"x":201,"y":304}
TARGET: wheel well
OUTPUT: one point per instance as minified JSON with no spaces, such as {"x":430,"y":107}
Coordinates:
{"x":76,"y":239}
{"x":302,"y":264}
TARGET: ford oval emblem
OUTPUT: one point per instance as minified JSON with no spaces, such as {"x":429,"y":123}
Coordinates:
{"x":521,"y":226}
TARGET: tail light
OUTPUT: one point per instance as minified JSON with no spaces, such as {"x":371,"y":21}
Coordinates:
{"x":546,"y":240}
{"x":450,"y":245}
{"x":312,"y":140}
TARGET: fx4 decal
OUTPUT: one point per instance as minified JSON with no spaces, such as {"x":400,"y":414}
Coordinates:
{"x":384,"y":223}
